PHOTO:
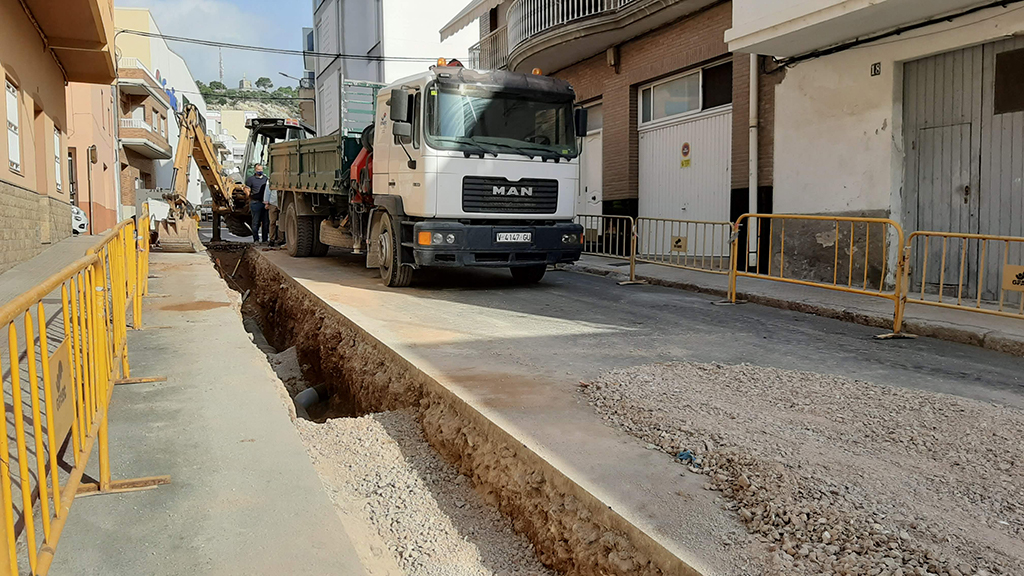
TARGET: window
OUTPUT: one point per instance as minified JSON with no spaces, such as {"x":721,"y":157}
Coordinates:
{"x":13,"y":124}
{"x":416,"y":130}
{"x":56,"y":158}
{"x":717,"y":86}
{"x":687,"y":94}
{"x":595,"y":118}
{"x":1009,"y":78}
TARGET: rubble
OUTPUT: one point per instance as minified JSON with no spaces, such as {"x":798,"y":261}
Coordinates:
{"x":837,"y":476}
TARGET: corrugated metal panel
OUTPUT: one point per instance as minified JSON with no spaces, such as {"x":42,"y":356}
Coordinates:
{"x":699,"y":191}
{"x":955,"y":140}
{"x":1002,"y":166}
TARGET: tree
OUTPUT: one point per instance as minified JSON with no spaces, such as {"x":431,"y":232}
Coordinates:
{"x":201,"y":85}
{"x":217,"y":85}
{"x":264,"y":83}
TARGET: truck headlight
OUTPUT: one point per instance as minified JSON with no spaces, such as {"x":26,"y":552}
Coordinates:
{"x":438,"y":238}
{"x":450,"y":238}
{"x":569,"y":238}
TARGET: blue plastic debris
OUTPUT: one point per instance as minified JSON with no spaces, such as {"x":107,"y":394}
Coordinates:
{"x":687,"y":457}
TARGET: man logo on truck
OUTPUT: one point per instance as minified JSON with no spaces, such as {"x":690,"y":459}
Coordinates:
{"x":512,"y":191}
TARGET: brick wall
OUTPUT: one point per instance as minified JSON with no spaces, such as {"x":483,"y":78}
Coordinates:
{"x":741,"y":124}
{"x":138,"y":166}
{"x":688,"y":43}
{"x":25,"y":218}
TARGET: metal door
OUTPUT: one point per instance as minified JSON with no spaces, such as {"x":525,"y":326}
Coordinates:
{"x":1002,"y":170}
{"x":589,"y":196}
{"x":965,"y":165}
{"x":685,"y":168}
{"x":942,"y":127}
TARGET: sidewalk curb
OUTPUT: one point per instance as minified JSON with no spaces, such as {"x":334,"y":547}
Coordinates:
{"x":958,"y":333}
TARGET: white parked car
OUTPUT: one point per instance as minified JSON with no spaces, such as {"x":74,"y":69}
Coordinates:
{"x":79,"y":221}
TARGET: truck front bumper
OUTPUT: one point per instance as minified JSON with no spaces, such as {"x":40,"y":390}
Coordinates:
{"x":478,"y":245}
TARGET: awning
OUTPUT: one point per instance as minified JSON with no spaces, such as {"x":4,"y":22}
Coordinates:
{"x":469,"y":14}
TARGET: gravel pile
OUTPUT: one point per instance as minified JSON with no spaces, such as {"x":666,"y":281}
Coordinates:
{"x":428,"y":515}
{"x":836,"y":476}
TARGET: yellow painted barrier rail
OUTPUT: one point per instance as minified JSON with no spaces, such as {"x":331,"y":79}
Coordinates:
{"x":688,"y":244}
{"x":67,"y":348}
{"x":846,"y":254}
{"x":611,"y":237}
{"x":974,"y":272}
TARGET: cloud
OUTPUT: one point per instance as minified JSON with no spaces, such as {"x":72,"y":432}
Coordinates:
{"x":274,"y":24}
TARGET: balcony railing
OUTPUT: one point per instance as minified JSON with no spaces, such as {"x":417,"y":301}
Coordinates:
{"x":136,"y":123}
{"x":527,"y":18}
{"x":491,"y":52}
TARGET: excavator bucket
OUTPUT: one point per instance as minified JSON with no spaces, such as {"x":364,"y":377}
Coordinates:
{"x":180,"y":235}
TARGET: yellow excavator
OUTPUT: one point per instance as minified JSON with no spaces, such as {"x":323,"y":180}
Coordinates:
{"x":179,"y":232}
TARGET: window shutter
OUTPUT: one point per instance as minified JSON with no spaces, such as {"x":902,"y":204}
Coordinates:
{"x":56,"y":158}
{"x":13,"y":136}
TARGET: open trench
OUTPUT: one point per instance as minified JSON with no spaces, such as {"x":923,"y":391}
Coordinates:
{"x":446,"y":490}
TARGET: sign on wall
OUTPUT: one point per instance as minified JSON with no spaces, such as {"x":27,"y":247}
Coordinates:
{"x":686,"y":156}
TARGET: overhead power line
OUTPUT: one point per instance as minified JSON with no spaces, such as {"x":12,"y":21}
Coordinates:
{"x":250,"y":48}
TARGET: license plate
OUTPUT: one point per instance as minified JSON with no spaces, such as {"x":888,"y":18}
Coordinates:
{"x":515,"y":236}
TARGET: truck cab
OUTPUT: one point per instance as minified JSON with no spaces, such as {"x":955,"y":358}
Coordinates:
{"x":484,"y":165}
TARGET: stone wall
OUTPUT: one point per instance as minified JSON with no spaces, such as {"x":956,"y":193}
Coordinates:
{"x":29,"y":223}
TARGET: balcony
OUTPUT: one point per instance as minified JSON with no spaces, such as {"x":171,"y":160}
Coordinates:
{"x":491,"y":52}
{"x":140,"y":137}
{"x":81,"y":34}
{"x":135,"y":78}
{"x":788,"y":28}
{"x":553,"y":34}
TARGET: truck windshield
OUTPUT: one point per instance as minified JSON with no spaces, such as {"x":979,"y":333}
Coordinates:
{"x":471,"y":120}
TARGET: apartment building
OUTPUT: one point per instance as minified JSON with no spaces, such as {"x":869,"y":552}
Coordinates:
{"x":909,"y":109}
{"x":668,"y":102}
{"x":380,"y":30}
{"x":155,"y":83}
{"x":44,"y":46}
{"x":92,"y":158}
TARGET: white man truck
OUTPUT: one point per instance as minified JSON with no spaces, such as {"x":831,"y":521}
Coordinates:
{"x":458,"y":168}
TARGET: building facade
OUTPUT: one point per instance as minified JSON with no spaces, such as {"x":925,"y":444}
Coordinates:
{"x":92,"y":159}
{"x":910,"y":109}
{"x":148,"y":61}
{"x":381,"y":30}
{"x":668,"y":102}
{"x":43,"y":47}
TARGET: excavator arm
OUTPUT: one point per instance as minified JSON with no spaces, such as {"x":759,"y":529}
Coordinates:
{"x":230,"y":199}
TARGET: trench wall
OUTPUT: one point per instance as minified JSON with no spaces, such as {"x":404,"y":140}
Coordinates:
{"x":573,"y":531}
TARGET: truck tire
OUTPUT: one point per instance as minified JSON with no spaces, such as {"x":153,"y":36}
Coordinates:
{"x":528,"y":274}
{"x":390,"y":246}
{"x":299,"y":233}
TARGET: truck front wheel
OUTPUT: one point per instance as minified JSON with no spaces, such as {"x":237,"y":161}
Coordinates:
{"x":528,"y":274}
{"x":389,"y":245}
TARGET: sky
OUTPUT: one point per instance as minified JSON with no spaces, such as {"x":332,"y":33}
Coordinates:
{"x":273,"y":23}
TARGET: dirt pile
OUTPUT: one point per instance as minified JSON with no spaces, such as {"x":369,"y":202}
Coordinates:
{"x":430,"y":518}
{"x":837,"y":476}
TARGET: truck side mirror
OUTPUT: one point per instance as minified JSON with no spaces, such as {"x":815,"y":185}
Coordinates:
{"x":581,"y":122}
{"x":402,"y":129}
{"x":399,"y":105}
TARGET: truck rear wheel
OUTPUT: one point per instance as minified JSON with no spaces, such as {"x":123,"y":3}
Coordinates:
{"x":301,"y":234}
{"x":389,"y":244}
{"x":528,"y":274}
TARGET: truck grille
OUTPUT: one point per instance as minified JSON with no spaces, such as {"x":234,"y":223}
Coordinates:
{"x":498,"y":195}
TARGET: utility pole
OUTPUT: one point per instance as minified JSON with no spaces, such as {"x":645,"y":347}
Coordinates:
{"x":220,"y":54}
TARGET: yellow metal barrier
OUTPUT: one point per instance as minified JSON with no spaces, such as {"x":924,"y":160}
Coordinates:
{"x":611,"y":237}
{"x":850,"y":255}
{"x":976,"y":272}
{"x":74,"y":331}
{"x":688,"y":244}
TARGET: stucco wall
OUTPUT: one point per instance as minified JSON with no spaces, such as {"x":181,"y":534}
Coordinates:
{"x":91,"y":123}
{"x":838,"y":130}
